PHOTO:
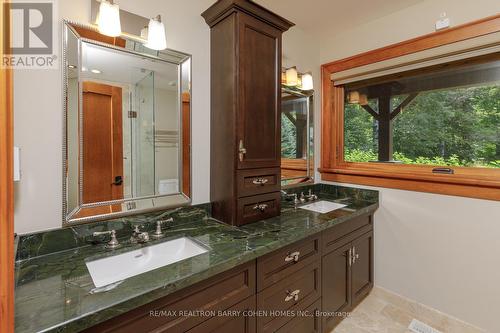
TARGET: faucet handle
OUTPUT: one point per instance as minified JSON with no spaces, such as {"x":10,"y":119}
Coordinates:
{"x":158,"y":233}
{"x":113,"y":243}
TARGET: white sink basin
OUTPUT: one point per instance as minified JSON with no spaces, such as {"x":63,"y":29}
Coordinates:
{"x":120,"y":267}
{"x":323,"y":206}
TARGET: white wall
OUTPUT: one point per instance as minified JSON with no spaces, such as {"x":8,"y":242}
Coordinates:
{"x":38,"y":107}
{"x":440,"y":250}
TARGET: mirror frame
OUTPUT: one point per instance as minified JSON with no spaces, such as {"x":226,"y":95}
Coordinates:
{"x":309,"y":178}
{"x":133,"y":205}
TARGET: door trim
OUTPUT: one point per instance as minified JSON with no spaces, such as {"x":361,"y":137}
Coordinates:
{"x":7,"y":189}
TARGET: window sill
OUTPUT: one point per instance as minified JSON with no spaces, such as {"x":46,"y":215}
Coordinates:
{"x":439,"y":184}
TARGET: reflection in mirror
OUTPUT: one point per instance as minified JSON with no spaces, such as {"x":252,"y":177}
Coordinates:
{"x":127,"y":128}
{"x":297,"y":136}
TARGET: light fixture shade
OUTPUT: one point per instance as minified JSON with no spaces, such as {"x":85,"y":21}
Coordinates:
{"x":109,"y":19}
{"x":363,"y":99}
{"x":157,"y":39}
{"x":353,"y":97}
{"x":307,"y":82}
{"x":292,"y":77}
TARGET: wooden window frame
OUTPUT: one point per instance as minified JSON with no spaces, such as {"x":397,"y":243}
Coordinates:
{"x":483,"y":183}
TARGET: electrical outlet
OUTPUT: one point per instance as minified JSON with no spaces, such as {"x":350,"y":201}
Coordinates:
{"x":420,"y":327}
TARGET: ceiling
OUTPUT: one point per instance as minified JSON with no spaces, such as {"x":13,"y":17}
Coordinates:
{"x":321,"y":18}
{"x":125,"y":68}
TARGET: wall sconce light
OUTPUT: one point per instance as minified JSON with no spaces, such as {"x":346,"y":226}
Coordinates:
{"x":292,"y":77}
{"x":363,"y":99}
{"x":307,"y":82}
{"x":157,"y":39}
{"x":108,"y":19}
{"x":353,"y":97}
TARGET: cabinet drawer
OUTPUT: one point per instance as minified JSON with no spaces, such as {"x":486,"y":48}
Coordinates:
{"x":280,"y":264}
{"x":230,"y":323}
{"x":258,"y":181}
{"x":309,"y":323}
{"x":291,"y":294}
{"x":163,"y":315}
{"x":341,"y":233}
{"x":258,"y":207}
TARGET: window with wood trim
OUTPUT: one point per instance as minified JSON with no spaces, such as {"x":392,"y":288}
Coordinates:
{"x":420,"y":115}
{"x":446,"y":117}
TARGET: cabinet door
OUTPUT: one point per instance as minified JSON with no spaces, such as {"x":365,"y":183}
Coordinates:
{"x":336,"y":284}
{"x":310,"y":322}
{"x":232,"y":320}
{"x":362,"y":267}
{"x":259,"y":122}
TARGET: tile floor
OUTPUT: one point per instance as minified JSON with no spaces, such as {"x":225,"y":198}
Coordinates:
{"x":385,"y":312}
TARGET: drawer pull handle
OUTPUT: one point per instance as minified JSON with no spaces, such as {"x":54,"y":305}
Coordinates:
{"x":241,"y":151}
{"x":294,"y":256}
{"x":260,"y":181}
{"x":292,"y":295}
{"x":261,"y":207}
{"x":355,"y":256}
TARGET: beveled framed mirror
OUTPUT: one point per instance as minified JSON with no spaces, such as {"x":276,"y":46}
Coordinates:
{"x":127,"y":126}
{"x":297,"y":136}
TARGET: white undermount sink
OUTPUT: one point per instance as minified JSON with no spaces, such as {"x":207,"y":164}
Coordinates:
{"x":323,"y":206}
{"x":109,"y":270}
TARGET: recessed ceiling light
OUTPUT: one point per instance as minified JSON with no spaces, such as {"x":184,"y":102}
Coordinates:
{"x":96,"y":71}
{"x":84,"y":69}
{"x":72,"y":66}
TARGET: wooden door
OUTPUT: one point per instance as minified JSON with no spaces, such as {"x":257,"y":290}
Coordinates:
{"x":186,"y":144}
{"x":362,"y":267}
{"x":336,"y":279}
{"x":102,"y":143}
{"x":7,"y":184}
{"x":259,"y":115}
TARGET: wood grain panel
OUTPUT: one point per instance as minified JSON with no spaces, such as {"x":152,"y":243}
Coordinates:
{"x":259,"y":112}
{"x":186,"y":144}
{"x":7,"y":187}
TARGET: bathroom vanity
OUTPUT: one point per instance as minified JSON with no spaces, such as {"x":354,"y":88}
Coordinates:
{"x":274,"y":269}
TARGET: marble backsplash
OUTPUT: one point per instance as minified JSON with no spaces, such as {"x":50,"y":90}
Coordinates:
{"x":57,"y":240}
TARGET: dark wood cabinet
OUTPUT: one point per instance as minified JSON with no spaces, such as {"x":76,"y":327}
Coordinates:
{"x":259,"y":112}
{"x":336,"y":277}
{"x":227,"y":322}
{"x":347,"y":270}
{"x":303,"y":287}
{"x":245,"y":108}
{"x":291,"y":295}
{"x":310,"y":322}
{"x":171,"y":313}
{"x":362,"y":268}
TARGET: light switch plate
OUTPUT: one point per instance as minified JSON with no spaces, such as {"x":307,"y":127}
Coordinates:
{"x":17,"y":164}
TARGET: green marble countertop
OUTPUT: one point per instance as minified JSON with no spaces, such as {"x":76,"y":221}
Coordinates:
{"x":54,"y":291}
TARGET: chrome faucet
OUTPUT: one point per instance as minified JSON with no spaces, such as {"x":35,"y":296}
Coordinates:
{"x":311,"y":196}
{"x":139,"y":236}
{"x":159,"y":233}
{"x":113,"y":243}
{"x":291,"y":196}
